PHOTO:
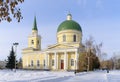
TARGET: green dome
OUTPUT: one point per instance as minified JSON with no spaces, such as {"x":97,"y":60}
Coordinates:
{"x":69,"y":25}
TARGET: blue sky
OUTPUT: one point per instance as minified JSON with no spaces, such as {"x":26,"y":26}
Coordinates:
{"x":98,"y":18}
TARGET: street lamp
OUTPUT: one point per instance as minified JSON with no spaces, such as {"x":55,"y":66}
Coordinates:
{"x":88,"y":63}
{"x":15,"y":44}
{"x":88,"y":60}
{"x":75,"y":67}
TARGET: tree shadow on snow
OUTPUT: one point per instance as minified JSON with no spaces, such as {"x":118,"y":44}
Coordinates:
{"x":58,"y":79}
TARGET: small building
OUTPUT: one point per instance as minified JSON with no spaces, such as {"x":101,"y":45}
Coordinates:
{"x":2,"y":64}
{"x":64,"y":55}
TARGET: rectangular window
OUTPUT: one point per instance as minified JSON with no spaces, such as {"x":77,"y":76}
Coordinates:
{"x":74,"y":38}
{"x":64,"y":38}
{"x":32,"y":41}
{"x":32,"y":63}
{"x":44,"y":63}
{"x":38,"y":63}
{"x":72,"y":62}
{"x":53,"y":62}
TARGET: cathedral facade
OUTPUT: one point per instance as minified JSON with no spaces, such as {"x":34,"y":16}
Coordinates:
{"x":64,"y":55}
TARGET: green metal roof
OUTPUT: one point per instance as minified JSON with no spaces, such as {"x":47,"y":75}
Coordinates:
{"x":34,"y":24}
{"x":69,"y":25}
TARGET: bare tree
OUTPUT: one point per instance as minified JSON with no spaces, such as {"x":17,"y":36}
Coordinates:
{"x":116,"y":61}
{"x":9,"y":9}
{"x":98,"y":50}
{"x":90,"y":49}
{"x":103,"y":56}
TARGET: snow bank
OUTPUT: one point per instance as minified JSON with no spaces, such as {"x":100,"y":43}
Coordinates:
{"x":51,"y":76}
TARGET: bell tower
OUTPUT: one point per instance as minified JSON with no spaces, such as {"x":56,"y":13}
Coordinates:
{"x":34,"y":40}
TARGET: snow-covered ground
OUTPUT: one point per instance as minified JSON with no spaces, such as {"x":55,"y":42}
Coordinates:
{"x":52,"y":76}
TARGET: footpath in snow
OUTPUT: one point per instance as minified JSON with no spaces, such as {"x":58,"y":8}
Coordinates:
{"x":51,"y":76}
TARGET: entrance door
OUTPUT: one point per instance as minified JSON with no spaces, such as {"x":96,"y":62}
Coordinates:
{"x":62,"y":64}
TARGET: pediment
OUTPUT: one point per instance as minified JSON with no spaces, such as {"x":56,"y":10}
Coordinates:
{"x":59,"y":46}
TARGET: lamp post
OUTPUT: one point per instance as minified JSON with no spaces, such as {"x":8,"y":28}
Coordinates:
{"x":15,"y":44}
{"x":88,"y":63}
{"x":88,"y":60}
{"x":75,"y":67}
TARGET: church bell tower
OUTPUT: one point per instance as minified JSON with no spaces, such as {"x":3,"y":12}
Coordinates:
{"x":34,"y":40}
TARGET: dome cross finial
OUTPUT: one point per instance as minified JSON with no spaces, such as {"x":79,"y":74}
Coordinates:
{"x":69,"y":16}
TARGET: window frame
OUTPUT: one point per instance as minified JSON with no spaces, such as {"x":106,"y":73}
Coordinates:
{"x":32,"y":42}
{"x":74,"y":38}
{"x":32,"y":63}
{"x":53,"y":62}
{"x":44,"y":63}
{"x":64,"y":38}
{"x":72,"y":62}
{"x":38,"y":63}
{"x":38,"y":41}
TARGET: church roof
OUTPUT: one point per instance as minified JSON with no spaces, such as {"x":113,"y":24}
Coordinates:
{"x":69,"y":24}
{"x":35,"y":24}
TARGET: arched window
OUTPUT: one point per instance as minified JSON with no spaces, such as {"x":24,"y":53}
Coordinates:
{"x":64,"y":38}
{"x":74,"y":38}
{"x":32,"y":63}
{"x":32,"y":41}
{"x":38,"y":63}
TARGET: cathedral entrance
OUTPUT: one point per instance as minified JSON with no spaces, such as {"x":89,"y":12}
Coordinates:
{"x":62,"y":64}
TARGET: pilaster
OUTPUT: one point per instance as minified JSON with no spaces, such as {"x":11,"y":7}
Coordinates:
{"x":27,"y":61}
{"x":55,"y":60}
{"x":46,"y":61}
{"x":76,"y":59}
{"x":65,"y":61}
